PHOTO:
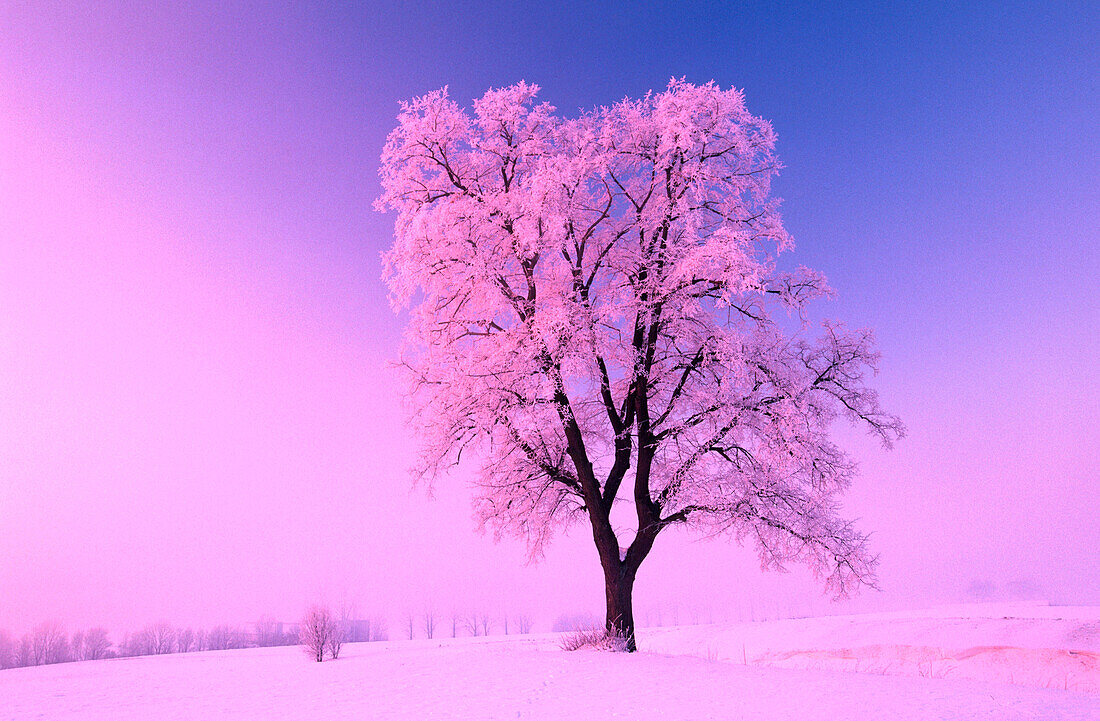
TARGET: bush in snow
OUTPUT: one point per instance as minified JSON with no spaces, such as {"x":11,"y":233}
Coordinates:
{"x":338,"y":632}
{"x":595,"y":638}
{"x":316,"y":631}
{"x":323,"y":632}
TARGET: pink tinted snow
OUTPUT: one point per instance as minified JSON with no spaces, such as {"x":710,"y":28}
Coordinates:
{"x":683,"y":673}
{"x":1027,"y":645}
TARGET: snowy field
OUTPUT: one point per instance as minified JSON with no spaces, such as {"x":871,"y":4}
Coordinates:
{"x":1021,"y":662}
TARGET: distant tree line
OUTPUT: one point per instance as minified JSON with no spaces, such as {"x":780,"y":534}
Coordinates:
{"x":48,"y":642}
{"x":472,"y":623}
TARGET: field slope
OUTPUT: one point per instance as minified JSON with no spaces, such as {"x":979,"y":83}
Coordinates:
{"x":677,"y":676}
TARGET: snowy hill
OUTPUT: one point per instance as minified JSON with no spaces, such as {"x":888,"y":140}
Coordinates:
{"x":799,"y":669}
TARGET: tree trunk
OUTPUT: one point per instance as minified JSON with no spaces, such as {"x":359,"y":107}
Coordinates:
{"x":619,"y":584}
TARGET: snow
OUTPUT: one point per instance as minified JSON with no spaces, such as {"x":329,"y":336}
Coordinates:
{"x":1023,"y":644}
{"x":681,"y":673}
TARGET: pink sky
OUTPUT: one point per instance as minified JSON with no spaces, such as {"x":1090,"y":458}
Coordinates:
{"x":197,"y":423}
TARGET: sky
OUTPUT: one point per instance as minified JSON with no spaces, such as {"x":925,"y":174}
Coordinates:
{"x":198,"y":422}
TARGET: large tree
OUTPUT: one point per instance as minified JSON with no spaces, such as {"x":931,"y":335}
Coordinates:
{"x":597,"y":314}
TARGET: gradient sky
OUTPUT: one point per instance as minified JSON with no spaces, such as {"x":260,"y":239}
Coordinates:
{"x":196,"y":419}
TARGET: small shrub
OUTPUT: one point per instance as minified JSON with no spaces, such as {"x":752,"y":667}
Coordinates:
{"x":316,"y":631}
{"x":594,"y":638}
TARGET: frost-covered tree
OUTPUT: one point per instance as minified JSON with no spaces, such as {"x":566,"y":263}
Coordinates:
{"x":597,"y":311}
{"x":322,"y":631}
{"x":313,"y":632}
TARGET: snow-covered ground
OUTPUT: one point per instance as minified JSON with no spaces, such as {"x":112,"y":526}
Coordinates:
{"x":776,"y":670}
{"x":1023,"y":644}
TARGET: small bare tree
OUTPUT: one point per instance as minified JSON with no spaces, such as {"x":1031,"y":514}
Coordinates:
{"x":138,"y":643}
{"x":24,"y":654}
{"x":523,"y":624}
{"x":224,"y":637}
{"x":410,"y":627}
{"x":185,"y":640}
{"x":478,"y":624}
{"x":7,"y":650}
{"x":267,"y":632}
{"x":162,"y":637}
{"x":429,"y":623}
{"x":315,"y":630}
{"x":96,"y":644}
{"x":49,"y":644}
{"x":338,"y":633}
{"x":217,"y":638}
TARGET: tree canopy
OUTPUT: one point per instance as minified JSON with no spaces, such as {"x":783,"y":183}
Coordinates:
{"x":596,"y":304}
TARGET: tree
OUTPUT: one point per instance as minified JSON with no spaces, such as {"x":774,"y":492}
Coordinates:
{"x":338,"y":632}
{"x":224,"y":637}
{"x":162,"y":637}
{"x":185,"y":640}
{"x":597,"y":301}
{"x":49,"y":644}
{"x":76,"y":646}
{"x":315,"y":631}
{"x":477,"y":623}
{"x":429,"y":623}
{"x":24,"y":653}
{"x":96,"y":644}
{"x":268,"y":632}
{"x":139,"y":643}
{"x":7,"y":649}
{"x":486,"y":623}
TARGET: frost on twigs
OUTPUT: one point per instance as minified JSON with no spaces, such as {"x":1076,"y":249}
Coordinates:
{"x":595,"y":315}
